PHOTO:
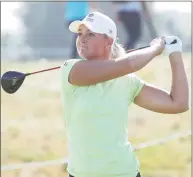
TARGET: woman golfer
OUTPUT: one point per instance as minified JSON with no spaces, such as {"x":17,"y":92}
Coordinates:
{"x":96,"y":93}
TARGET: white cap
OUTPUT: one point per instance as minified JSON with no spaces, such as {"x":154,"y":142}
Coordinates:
{"x":97,"y":23}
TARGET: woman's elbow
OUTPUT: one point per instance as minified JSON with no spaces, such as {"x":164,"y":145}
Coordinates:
{"x":182,"y":107}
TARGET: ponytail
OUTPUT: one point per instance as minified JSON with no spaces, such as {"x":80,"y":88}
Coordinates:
{"x":117,"y":51}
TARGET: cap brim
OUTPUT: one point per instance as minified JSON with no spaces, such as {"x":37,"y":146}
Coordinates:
{"x":75,"y":25}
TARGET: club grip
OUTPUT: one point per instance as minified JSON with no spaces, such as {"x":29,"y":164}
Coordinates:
{"x":131,"y":50}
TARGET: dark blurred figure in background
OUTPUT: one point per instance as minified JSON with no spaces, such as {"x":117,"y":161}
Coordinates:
{"x":76,"y":10}
{"x":130,"y":14}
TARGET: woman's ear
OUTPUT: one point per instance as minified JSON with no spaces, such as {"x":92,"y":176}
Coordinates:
{"x":109,"y":42}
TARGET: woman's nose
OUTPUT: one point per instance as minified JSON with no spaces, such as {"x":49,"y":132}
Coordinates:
{"x":83,"y":39}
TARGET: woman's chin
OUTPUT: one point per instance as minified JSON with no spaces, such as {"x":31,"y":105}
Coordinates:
{"x":83,"y":54}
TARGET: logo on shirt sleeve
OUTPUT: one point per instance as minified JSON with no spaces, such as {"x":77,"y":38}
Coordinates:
{"x":65,"y":63}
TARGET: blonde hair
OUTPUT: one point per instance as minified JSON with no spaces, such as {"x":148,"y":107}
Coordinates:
{"x":117,"y":51}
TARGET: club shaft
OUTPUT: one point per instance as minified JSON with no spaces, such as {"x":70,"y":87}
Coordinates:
{"x":49,"y":69}
{"x":131,"y":50}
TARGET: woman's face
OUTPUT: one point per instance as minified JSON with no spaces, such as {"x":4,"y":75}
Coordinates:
{"x":91,"y":46}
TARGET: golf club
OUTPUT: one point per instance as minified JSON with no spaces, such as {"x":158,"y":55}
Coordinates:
{"x":11,"y":81}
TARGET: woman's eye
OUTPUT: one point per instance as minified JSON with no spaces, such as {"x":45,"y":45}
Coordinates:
{"x":79,"y":34}
{"x":91,"y":34}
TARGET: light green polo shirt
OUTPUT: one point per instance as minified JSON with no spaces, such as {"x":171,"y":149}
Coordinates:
{"x":96,"y":119}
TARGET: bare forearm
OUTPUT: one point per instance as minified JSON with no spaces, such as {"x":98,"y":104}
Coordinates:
{"x":179,"y":89}
{"x":138,"y":59}
{"x":130,"y":63}
{"x":92,"y":72}
{"x":175,"y":101}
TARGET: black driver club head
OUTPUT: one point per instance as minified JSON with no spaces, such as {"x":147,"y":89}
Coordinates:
{"x":11,"y":81}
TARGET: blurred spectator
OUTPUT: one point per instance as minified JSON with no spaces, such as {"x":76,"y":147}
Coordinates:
{"x":76,"y":10}
{"x":130,"y":14}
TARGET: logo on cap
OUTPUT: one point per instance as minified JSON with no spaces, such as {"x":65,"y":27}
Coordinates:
{"x":89,"y":19}
{"x":110,"y":31}
{"x":91,"y":15}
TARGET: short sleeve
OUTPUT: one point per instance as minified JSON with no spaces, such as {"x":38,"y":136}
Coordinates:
{"x":65,"y":71}
{"x":135,"y":85}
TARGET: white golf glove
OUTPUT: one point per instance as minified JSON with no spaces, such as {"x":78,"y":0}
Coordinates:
{"x":170,"y":48}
